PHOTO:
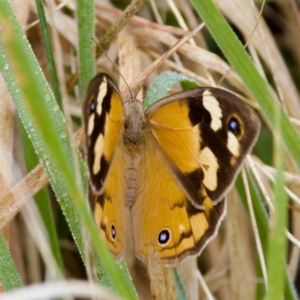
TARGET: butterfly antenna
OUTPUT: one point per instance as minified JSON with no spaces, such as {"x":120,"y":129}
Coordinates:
{"x":145,"y":75}
{"x":115,"y":67}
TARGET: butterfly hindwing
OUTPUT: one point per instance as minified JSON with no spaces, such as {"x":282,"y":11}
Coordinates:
{"x":205,"y":134}
{"x":110,"y":207}
{"x":163,"y":219}
{"x":104,"y":117}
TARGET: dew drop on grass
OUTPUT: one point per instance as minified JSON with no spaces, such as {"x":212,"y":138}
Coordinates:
{"x":47,"y":97}
{"x":5,"y":67}
{"x":63,"y":135}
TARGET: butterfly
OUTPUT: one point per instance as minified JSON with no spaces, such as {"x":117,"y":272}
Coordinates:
{"x":169,"y":166}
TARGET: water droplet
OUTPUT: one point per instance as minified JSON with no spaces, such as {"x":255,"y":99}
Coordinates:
{"x":5,"y":67}
{"x":29,"y":135}
{"x":47,"y":162}
{"x":47,"y":97}
{"x":55,"y":107}
{"x":32,"y":129}
{"x":63,"y":135}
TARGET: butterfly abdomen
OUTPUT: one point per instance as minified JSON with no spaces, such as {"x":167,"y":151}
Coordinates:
{"x":131,"y":176}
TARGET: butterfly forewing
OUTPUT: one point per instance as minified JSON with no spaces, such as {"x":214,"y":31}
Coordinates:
{"x":206,"y":133}
{"x":104,"y":117}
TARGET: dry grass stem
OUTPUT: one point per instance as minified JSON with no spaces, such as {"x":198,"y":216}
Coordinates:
{"x":237,"y":11}
{"x":162,"y":280}
{"x":7,"y":115}
{"x":207,"y":59}
{"x":260,"y":183}
{"x":204,"y":286}
{"x":62,"y":289}
{"x":136,"y":20}
{"x":241,"y":258}
{"x":120,"y":22}
{"x":270,"y":173}
{"x":187,"y":270}
{"x":179,"y":18}
{"x":12,"y":201}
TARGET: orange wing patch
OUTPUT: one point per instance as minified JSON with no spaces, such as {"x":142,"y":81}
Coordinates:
{"x":110,"y":206}
{"x":173,"y":130}
{"x":163,"y":219}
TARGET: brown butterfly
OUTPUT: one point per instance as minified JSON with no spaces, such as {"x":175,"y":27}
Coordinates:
{"x":170,"y":166}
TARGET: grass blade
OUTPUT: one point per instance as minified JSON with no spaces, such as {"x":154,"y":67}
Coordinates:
{"x":86,"y":29}
{"x":36,"y":106}
{"x":277,"y":244}
{"x":42,"y":199}
{"x":49,"y":51}
{"x":9,"y":276}
{"x":263,"y":230}
{"x":162,"y":84}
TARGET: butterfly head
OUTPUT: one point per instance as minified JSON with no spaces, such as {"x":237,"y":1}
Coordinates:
{"x":134,"y":123}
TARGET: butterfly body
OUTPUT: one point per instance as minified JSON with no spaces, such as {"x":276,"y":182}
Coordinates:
{"x":170,"y":166}
{"x":133,"y":139}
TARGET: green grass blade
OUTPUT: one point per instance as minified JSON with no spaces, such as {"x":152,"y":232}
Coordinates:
{"x":49,"y":52}
{"x":9,"y":276}
{"x":42,"y":199}
{"x":179,"y":286}
{"x":290,"y":292}
{"x":162,"y":84}
{"x":261,"y":217}
{"x":258,"y":206}
{"x":87,"y":66}
{"x":277,"y":244}
{"x":277,"y":241}
{"x":263,"y":230}
{"x":86,"y":29}
{"x":46,"y":127}
{"x":243,"y":65}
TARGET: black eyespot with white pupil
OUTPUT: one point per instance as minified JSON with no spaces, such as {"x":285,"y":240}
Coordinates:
{"x":113,"y":231}
{"x":92,"y":106}
{"x":164,"y":237}
{"x":234,"y":126}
